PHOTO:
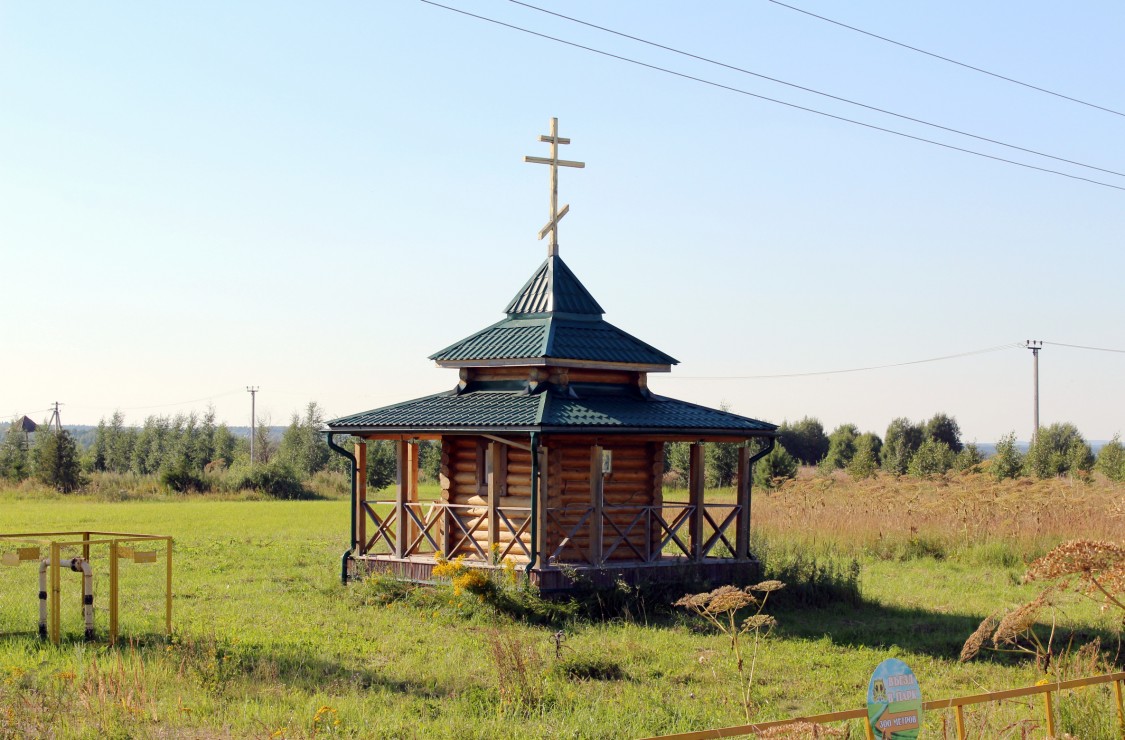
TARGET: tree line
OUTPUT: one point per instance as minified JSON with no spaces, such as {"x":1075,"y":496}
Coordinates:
{"x":934,"y":447}
{"x":190,"y":452}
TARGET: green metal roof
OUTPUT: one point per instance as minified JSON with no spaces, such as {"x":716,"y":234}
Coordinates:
{"x":553,"y":337}
{"x":553,"y":317}
{"x":552,"y":410}
{"x":553,"y":288}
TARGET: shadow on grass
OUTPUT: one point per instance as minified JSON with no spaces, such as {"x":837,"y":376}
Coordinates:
{"x":219,"y":666}
{"x":941,"y":635}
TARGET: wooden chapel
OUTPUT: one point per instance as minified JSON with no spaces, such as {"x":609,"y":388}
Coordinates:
{"x":552,"y":451}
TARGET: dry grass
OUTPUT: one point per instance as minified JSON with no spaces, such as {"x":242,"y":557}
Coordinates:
{"x":952,"y":511}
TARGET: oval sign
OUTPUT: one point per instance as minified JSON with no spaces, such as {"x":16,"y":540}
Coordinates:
{"x":894,"y":701}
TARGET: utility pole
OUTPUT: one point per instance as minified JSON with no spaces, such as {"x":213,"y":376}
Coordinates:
{"x":1035,"y":345}
{"x":253,"y":390}
{"x":56,"y":422}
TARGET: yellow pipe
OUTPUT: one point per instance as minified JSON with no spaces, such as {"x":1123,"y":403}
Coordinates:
{"x":56,"y":589}
{"x":168,"y":590}
{"x":113,"y":592}
{"x":1120,"y":709}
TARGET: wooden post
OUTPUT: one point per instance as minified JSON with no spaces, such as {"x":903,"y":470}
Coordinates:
{"x":497,"y":480}
{"x":596,"y":500}
{"x":361,"y":496}
{"x":1049,"y":701}
{"x":544,"y":497}
{"x":402,"y":486}
{"x":696,"y":481}
{"x":961,"y":723}
{"x":412,"y":491}
{"x":742,"y":525}
{"x":652,"y":533}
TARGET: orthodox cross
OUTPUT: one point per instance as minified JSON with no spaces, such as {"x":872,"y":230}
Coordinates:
{"x":556,"y":215}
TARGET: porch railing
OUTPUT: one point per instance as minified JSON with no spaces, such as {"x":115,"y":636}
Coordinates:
{"x":646,"y":533}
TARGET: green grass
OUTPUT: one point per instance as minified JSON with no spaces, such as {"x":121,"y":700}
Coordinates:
{"x":266,"y":638}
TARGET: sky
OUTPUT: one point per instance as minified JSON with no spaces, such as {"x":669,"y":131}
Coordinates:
{"x":311,"y":198}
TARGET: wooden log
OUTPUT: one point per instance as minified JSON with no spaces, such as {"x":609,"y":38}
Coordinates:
{"x":504,"y":502}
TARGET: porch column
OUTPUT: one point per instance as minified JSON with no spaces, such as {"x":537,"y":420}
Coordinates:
{"x":406,"y":493}
{"x":544,"y":497}
{"x":361,"y":495}
{"x":497,"y":482}
{"x":402,"y":495}
{"x":696,"y":481}
{"x":412,"y":450}
{"x":596,"y":500}
{"x":742,"y":525}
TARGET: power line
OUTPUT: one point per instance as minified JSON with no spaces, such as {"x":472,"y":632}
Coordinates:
{"x":947,"y":59}
{"x":1080,"y":346}
{"x":155,"y":406}
{"x":997,"y":348}
{"x":771,"y":100}
{"x":816,"y":92}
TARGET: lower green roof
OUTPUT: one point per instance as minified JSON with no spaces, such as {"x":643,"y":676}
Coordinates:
{"x":549,"y":411}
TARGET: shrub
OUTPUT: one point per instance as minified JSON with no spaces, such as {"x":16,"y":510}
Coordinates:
{"x":1111,"y":459}
{"x":841,"y":447}
{"x":865,"y":461}
{"x":944,"y":428}
{"x":931,"y":458}
{"x":55,"y":460}
{"x":275,"y":479}
{"x":1057,"y":450}
{"x":969,"y":459}
{"x":903,"y":439}
{"x":805,"y":440}
{"x":181,"y":479}
{"x":1007,"y":462}
{"x":775,"y":468}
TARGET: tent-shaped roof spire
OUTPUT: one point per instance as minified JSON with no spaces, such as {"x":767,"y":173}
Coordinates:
{"x":553,"y":289}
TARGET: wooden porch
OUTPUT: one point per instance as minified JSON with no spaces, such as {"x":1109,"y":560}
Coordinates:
{"x":603,"y":528}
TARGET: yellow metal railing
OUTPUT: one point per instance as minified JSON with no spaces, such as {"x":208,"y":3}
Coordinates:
{"x":957,"y":704}
{"x":119,"y":545}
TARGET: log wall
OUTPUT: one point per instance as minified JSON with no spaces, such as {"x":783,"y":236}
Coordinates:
{"x":634,"y":483}
{"x":465,"y":468}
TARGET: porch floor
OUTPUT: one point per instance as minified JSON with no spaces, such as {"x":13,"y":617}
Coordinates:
{"x":552,"y":579}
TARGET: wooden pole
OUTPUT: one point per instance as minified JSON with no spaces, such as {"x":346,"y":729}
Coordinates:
{"x":412,"y":450}
{"x":696,"y":482}
{"x":544,"y":497}
{"x":361,"y":497}
{"x":554,"y":248}
{"x":402,"y":485}
{"x":1048,"y":700}
{"x":960,"y":722}
{"x":742,"y":526}
{"x":596,"y":501}
{"x":493,"y":481}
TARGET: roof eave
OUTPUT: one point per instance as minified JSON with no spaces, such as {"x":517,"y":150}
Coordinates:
{"x":556,"y":362}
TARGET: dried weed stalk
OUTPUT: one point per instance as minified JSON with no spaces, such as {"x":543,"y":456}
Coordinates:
{"x":720,"y":608}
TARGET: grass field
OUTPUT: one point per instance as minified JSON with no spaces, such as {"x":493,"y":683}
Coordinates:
{"x":269,"y":644}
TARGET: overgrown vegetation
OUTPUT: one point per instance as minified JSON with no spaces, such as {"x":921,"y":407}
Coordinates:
{"x":287,"y":651}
